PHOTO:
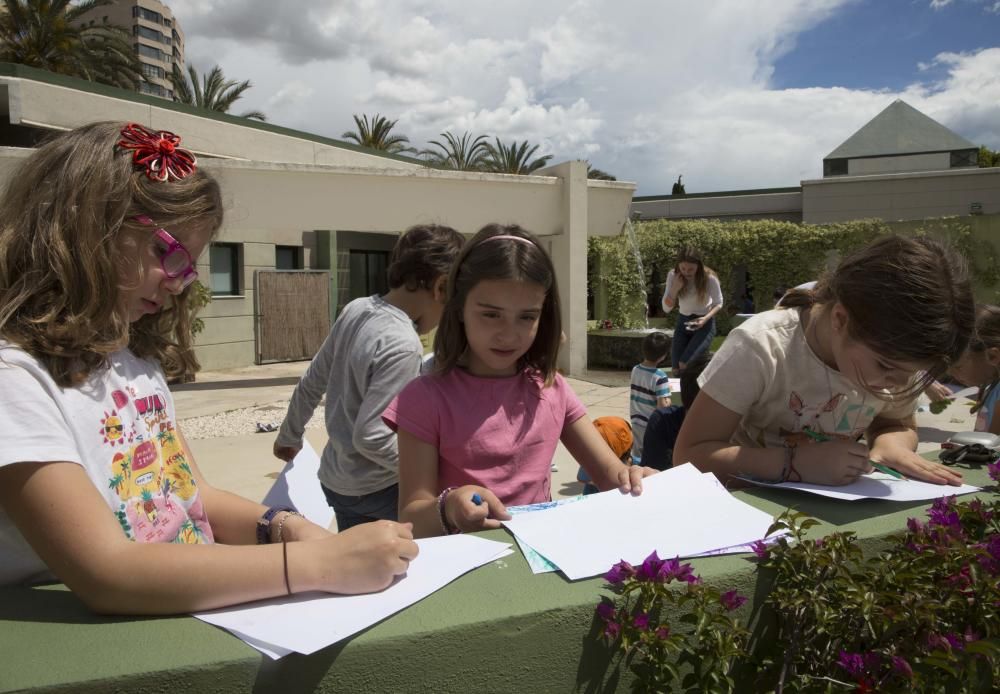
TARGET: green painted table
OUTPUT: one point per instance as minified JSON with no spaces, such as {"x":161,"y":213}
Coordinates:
{"x":496,"y":629}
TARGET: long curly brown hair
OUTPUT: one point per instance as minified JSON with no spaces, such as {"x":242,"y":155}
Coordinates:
{"x":66,"y":240}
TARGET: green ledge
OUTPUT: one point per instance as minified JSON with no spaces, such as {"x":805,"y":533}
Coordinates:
{"x":498,"y":628}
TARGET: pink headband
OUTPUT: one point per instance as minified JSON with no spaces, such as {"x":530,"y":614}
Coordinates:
{"x":509,"y":236}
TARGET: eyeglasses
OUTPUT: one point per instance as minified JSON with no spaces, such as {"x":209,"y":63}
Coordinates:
{"x":174,"y":258}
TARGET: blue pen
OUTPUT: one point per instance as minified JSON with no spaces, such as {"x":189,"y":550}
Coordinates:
{"x":476,"y":499}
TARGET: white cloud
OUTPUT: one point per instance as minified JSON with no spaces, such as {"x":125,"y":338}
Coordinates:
{"x":646,"y":90}
{"x":940,"y":4}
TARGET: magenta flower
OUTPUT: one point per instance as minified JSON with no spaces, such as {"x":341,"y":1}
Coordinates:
{"x":943,"y":513}
{"x":663,"y":632}
{"x":956,"y":641}
{"x":672,"y":569}
{"x":619,"y":573}
{"x":852,"y":662}
{"x":650,"y":569}
{"x":606,"y":611}
{"x":760,"y":549}
{"x":913,"y":525}
{"x":902,"y":667}
{"x":612,"y":629}
{"x":641,"y":621}
{"x":731,"y":600}
{"x":994,"y":471}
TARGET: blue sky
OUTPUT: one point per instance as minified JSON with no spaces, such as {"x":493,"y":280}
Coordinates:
{"x":731,"y":94}
{"x":880,"y":44}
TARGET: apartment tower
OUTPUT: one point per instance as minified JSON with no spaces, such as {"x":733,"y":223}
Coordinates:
{"x":156,"y":37}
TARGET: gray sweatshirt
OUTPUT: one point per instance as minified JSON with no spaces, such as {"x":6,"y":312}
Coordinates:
{"x":371,"y":353}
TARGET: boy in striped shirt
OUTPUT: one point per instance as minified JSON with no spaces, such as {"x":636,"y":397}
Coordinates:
{"x":650,"y":388}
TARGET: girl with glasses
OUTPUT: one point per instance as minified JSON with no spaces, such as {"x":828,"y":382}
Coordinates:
{"x":100,"y":229}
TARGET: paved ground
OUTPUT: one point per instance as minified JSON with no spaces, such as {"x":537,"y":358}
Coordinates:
{"x":243,"y":463}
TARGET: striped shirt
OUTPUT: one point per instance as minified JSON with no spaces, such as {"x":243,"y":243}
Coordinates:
{"x":648,"y":384}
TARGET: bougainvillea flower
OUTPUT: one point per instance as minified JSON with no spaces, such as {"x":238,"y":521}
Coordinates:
{"x":619,"y":572}
{"x":663,"y":632}
{"x":606,"y":611}
{"x":612,"y":629}
{"x":650,"y":569}
{"x":902,"y":667}
{"x":641,"y":621}
{"x":760,"y":549}
{"x":943,"y":513}
{"x":731,"y":600}
{"x":994,"y":471}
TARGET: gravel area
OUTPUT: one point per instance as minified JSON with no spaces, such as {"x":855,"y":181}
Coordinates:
{"x":243,"y":421}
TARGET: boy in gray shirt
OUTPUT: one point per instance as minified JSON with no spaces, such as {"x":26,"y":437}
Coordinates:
{"x":372,"y":351}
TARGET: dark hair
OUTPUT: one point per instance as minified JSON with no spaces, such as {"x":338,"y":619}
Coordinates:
{"x":690,"y":254}
{"x":501,"y":259}
{"x":689,"y":378}
{"x":987,"y":335}
{"x":423,"y":253}
{"x":655,"y":346}
{"x":66,"y":224}
{"x":907,"y":299}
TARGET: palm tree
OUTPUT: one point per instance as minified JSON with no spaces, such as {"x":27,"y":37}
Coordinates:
{"x":599,"y":175}
{"x":213,"y":92}
{"x":376,"y":135}
{"x":459,"y":153}
{"x":514,"y":158}
{"x":51,"y":35}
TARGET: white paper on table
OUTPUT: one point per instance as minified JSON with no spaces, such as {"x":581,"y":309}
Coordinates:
{"x":674,"y":384}
{"x":306,"y":623}
{"x":877,"y":486}
{"x":679,"y":513}
{"x":298,"y":486}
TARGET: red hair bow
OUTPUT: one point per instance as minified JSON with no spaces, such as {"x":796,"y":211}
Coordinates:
{"x":157,"y":152}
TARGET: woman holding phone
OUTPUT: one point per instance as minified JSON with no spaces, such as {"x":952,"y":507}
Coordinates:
{"x":695,"y":290}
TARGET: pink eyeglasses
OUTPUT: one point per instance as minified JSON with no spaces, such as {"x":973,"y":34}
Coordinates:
{"x":174,"y":258}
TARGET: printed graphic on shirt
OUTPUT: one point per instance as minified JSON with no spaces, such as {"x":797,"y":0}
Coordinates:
{"x":158,"y":497}
{"x":817,"y":422}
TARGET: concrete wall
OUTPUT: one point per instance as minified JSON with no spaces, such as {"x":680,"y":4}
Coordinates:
{"x":901,"y":196}
{"x":764,"y":205}
{"x":937,"y":161}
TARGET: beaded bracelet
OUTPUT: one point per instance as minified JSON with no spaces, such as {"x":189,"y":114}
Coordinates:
{"x":445,"y":525}
{"x":281,"y":524}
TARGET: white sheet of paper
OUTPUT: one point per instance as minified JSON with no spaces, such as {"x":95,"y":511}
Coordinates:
{"x":675,"y":385}
{"x":298,"y":486}
{"x":306,"y":623}
{"x":679,"y":513}
{"x":878,"y":486}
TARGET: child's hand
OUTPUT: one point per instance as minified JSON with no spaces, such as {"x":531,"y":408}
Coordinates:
{"x":913,"y":465}
{"x":468,"y":516}
{"x":630,"y":478}
{"x":297,"y":529}
{"x":363,"y":559}
{"x":832,"y":463}
{"x":286,"y":453}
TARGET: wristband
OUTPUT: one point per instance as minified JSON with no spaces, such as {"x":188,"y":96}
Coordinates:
{"x":264,"y":523}
{"x":281,"y":524}
{"x":448,"y":528}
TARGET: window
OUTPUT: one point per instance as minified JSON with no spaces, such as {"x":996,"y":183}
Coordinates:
{"x":150,"y":52}
{"x":224,"y":262}
{"x":834,"y":167}
{"x":148,"y":15}
{"x":368,"y":273}
{"x":153,"y":71}
{"x":287,"y":258}
{"x":968,"y":157}
{"x":153,"y":89}
{"x":150,"y":34}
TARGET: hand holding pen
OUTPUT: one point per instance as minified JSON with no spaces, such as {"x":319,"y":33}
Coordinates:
{"x":471,"y":508}
{"x":854,"y":450}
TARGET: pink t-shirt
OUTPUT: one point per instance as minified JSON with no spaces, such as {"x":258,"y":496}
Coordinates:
{"x":498,"y":433}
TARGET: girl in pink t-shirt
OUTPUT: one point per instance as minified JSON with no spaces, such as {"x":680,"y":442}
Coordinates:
{"x":479,"y":432}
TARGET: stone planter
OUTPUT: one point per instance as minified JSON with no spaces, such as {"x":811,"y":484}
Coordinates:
{"x":617,"y":349}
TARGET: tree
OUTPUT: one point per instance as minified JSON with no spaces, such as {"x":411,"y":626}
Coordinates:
{"x":988,"y":158}
{"x":461,"y":154}
{"x":213,"y":92}
{"x":376,"y":134}
{"x":678,"y":188}
{"x":51,"y":35}
{"x":599,"y":175}
{"x":514,"y":158}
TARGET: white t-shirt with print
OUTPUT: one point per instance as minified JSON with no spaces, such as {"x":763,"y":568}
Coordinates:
{"x":118,"y":425}
{"x":767,"y":372}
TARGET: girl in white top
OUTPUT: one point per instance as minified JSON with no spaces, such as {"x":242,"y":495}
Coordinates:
{"x":791,"y":391}
{"x":694,"y":289}
{"x":99,"y":232}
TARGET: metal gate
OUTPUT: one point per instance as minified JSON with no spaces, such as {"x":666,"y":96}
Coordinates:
{"x":291,"y":312}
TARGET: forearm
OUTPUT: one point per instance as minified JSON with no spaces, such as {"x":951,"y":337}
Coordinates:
{"x":725,"y":459}
{"x":712,"y":311}
{"x":232,"y":517}
{"x":305,"y":398}
{"x":891,"y":438}
{"x":424,"y":515}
